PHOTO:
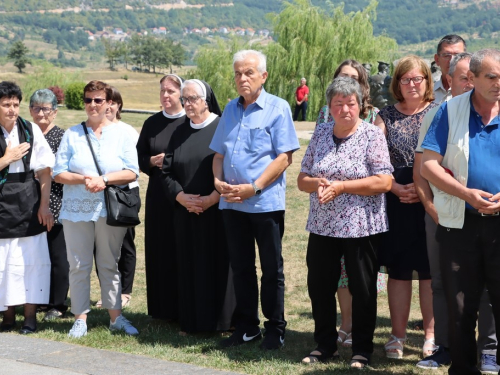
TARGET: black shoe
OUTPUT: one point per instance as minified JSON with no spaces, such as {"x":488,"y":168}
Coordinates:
{"x":27,"y":330}
{"x":7,"y":327}
{"x":440,"y":357}
{"x":272,"y":341}
{"x":239,"y":338}
{"x":53,"y":314}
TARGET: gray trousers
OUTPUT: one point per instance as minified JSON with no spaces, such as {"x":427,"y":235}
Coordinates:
{"x":487,"y":339}
{"x":80,"y":238}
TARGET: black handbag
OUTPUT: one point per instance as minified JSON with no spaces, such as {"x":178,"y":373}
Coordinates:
{"x":122,"y":204}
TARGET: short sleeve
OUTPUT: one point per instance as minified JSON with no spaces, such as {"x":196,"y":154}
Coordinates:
{"x":42,"y":156}
{"x":436,"y":138}
{"x":63,"y":156}
{"x":217,"y":142}
{"x":283,"y":135}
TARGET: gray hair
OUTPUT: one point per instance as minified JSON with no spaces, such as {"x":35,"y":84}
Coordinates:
{"x":456,"y":59}
{"x":344,"y":86}
{"x":244,"y":54}
{"x":476,"y":61}
{"x":200,"y":88}
{"x":43,"y":96}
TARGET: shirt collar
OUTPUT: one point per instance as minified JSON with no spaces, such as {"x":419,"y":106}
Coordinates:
{"x":260,"y":100}
{"x":494,"y":121}
{"x":438,"y":86}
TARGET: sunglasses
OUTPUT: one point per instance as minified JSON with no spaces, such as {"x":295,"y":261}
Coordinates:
{"x":97,"y":101}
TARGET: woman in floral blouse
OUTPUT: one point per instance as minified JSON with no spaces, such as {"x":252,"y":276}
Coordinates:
{"x":346,"y":170}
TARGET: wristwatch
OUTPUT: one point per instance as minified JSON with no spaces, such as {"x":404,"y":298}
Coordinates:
{"x":105,"y":179}
{"x":257,"y":190}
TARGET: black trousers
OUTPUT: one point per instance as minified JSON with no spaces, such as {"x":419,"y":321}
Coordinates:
{"x":242,"y":230}
{"x":59,"y":269}
{"x":127,"y":262}
{"x":298,"y":108}
{"x":323,"y":263}
{"x":470,"y":261}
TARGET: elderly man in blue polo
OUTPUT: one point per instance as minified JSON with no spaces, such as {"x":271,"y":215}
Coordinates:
{"x":253,"y":146}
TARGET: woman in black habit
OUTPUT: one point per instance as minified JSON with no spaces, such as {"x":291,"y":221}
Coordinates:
{"x":206,"y":294}
{"x":159,"y":244}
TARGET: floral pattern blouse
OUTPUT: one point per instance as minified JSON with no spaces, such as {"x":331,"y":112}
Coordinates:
{"x":402,"y":134}
{"x":362,"y":155}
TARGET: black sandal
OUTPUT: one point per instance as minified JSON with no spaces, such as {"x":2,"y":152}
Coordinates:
{"x":322,"y":357}
{"x":362,"y":359}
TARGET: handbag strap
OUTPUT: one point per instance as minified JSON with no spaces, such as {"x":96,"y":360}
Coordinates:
{"x":91,"y":148}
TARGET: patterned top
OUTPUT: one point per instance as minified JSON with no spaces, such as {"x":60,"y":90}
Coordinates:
{"x":402,"y":134}
{"x":53,"y":138}
{"x":372,"y":115}
{"x":363,"y":154}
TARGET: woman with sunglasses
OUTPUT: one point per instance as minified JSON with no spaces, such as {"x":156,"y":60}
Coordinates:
{"x":83,"y":212}
{"x":43,"y":110}
{"x":404,"y":250}
{"x":351,"y":69}
{"x":159,"y":242}
{"x":206,"y":296}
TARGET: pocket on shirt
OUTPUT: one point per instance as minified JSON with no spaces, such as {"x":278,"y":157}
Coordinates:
{"x":259,"y":139}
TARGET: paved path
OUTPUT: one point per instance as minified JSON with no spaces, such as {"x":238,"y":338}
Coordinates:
{"x":30,"y":356}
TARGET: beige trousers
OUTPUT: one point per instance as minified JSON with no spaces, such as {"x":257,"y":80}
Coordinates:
{"x":80,"y":238}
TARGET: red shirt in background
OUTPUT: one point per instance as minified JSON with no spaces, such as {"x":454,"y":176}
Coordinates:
{"x":301,"y":92}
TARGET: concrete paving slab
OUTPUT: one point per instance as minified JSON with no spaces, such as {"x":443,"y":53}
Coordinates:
{"x":26,"y":355}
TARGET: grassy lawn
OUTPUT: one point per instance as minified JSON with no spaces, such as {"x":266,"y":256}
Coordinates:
{"x":161,"y":340}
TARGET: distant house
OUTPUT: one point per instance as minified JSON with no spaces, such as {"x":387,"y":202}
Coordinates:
{"x":205,"y":30}
{"x":239,"y":31}
{"x":118,"y":31}
{"x":223,"y":30}
{"x":160,"y":30}
{"x":264,"y":33}
{"x":250,"y":32}
{"x":195,"y":31}
{"x":90,"y":35}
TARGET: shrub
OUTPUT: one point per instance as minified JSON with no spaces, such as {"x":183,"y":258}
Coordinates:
{"x":58,"y":92}
{"x":74,"y":95}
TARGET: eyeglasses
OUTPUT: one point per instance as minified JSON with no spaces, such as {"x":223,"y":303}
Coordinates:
{"x":98,"y":101}
{"x":447,"y":55}
{"x":416,"y":80}
{"x":190,"y":99}
{"x":46,"y":110}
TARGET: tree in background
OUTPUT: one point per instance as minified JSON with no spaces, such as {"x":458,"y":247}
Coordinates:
{"x":311,"y":43}
{"x":18,"y":52}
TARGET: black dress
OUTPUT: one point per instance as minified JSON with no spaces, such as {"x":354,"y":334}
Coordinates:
{"x":206,"y":293}
{"x":59,"y":266}
{"x":159,"y":243}
{"x":404,"y":248}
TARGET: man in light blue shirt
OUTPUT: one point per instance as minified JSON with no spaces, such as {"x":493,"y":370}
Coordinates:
{"x":253,"y":146}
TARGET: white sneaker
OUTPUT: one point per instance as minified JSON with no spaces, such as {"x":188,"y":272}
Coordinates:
{"x":489,"y":364}
{"x":122,"y":324}
{"x":79,"y":329}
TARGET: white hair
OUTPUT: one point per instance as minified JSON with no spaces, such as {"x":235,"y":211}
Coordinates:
{"x":244,"y":54}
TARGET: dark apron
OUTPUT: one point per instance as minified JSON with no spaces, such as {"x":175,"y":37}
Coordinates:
{"x":20,"y":194}
{"x":19,"y":203}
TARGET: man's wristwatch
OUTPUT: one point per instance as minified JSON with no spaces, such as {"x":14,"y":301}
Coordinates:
{"x":105,"y":179}
{"x":257,"y":190}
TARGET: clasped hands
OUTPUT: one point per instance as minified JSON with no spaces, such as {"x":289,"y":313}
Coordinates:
{"x":195,"y":203}
{"x":94,"y":184}
{"x":483,"y":201}
{"x":329,"y":190}
{"x":234,"y":193}
{"x":405,"y":193}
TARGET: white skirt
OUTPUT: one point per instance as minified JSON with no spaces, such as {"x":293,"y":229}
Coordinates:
{"x":24,"y":271}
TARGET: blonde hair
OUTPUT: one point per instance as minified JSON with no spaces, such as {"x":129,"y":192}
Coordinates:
{"x":406,"y":64}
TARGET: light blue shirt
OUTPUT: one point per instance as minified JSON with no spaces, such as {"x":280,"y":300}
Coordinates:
{"x":115,"y":151}
{"x":250,"y":139}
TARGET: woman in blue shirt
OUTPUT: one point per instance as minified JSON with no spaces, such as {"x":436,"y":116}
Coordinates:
{"x":83,"y":212}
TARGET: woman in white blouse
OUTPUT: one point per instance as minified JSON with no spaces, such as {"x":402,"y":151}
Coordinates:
{"x":83,"y":212}
{"x":24,"y":213}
